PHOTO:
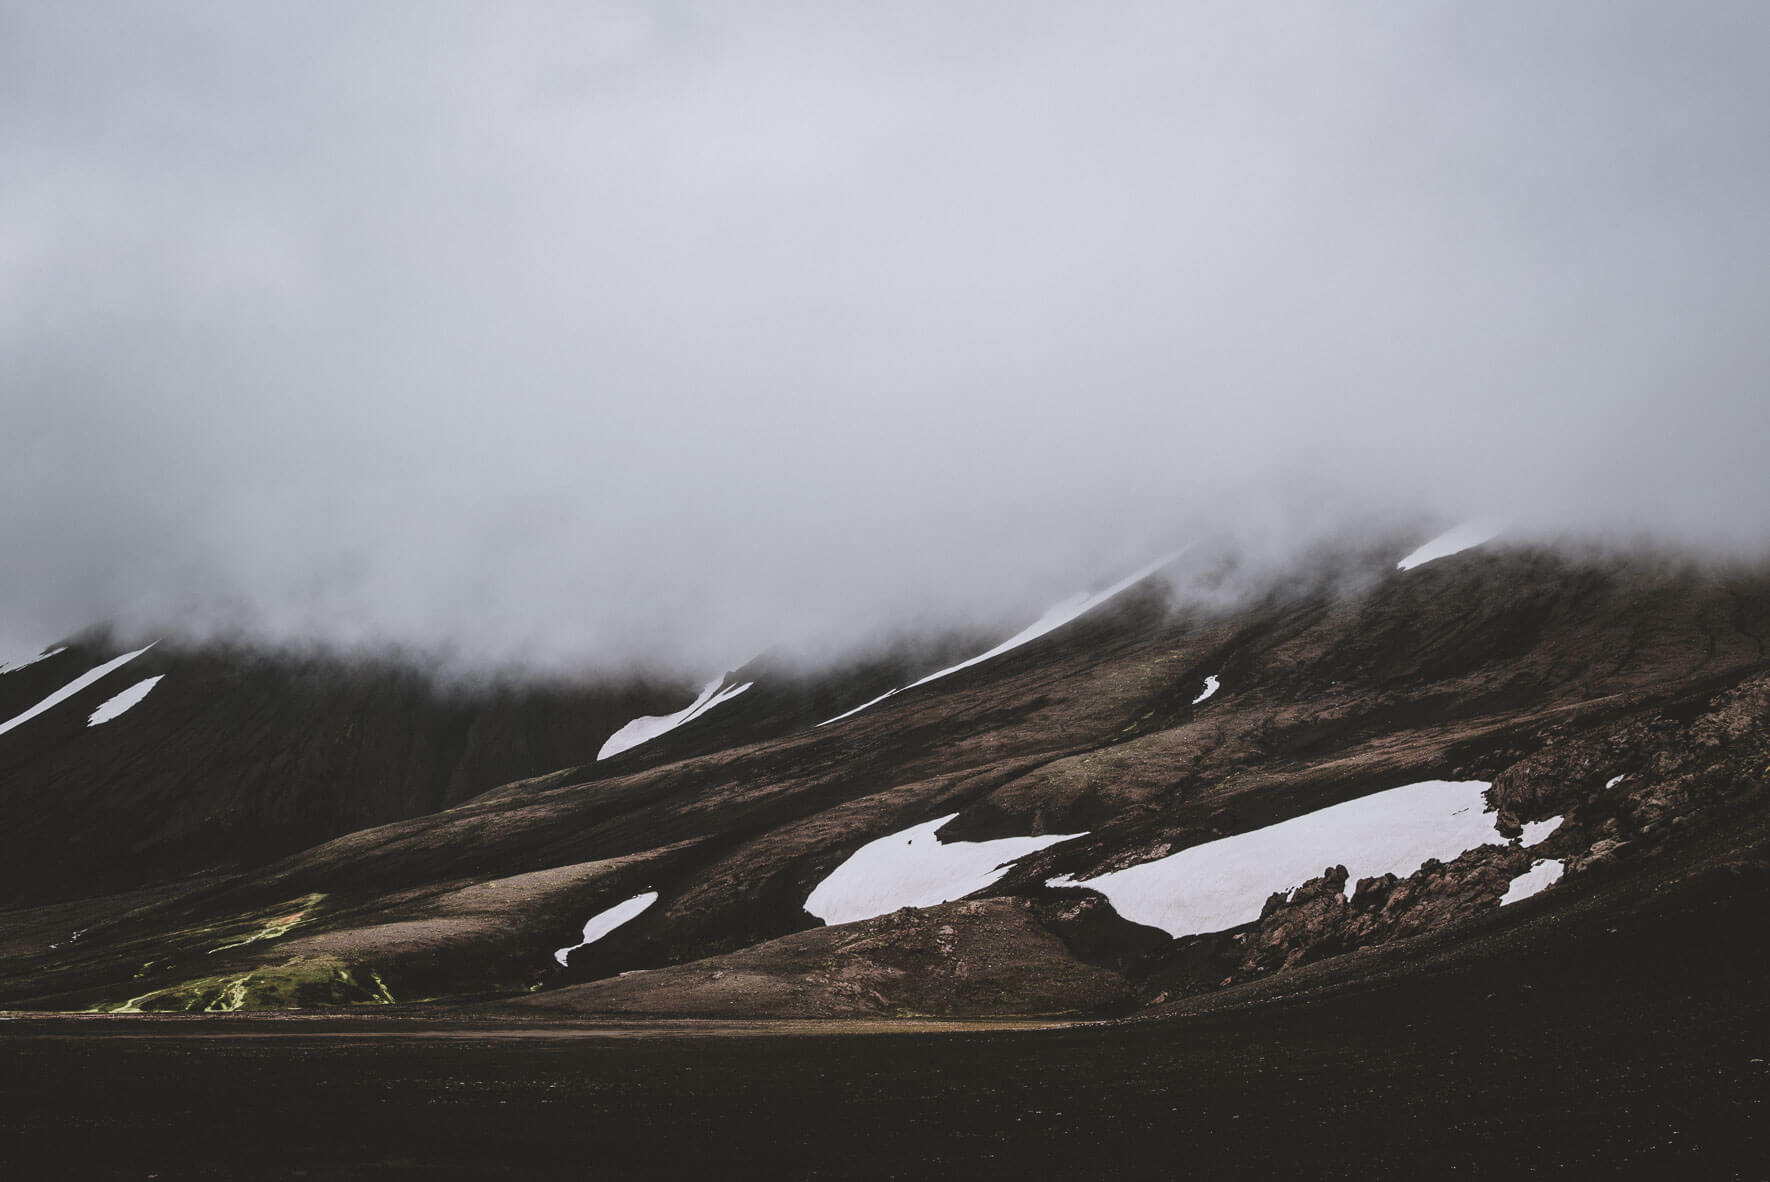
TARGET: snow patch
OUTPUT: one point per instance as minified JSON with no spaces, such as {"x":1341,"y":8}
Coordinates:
{"x":44,"y":655}
{"x":644,"y":730}
{"x":913,"y":868}
{"x":1541,"y":875}
{"x":863,"y":706}
{"x":71,"y":688}
{"x":1535,"y":831}
{"x":124,"y":701}
{"x":1211,"y":686}
{"x":1224,"y":884}
{"x":1464,"y":537}
{"x":1054,"y":618}
{"x":604,"y":922}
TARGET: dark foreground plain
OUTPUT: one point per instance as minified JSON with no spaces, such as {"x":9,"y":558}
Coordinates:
{"x":1584,"y":1041}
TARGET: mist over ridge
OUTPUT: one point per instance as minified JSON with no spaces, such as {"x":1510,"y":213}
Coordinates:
{"x":672,"y":333}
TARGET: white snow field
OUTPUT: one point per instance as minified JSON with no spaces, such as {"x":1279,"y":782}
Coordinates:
{"x":22,"y":662}
{"x":1464,"y":537}
{"x":911,"y":868}
{"x":71,"y":688}
{"x":604,"y":922}
{"x":644,"y":730}
{"x":1054,"y":618}
{"x":1224,"y":883}
{"x":1540,"y":876}
{"x":124,"y":701}
{"x":1212,"y":685}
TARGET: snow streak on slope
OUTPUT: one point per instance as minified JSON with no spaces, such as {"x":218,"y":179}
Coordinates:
{"x":1540,"y":876}
{"x":1464,"y":537}
{"x":644,"y":730}
{"x":123,"y":701}
{"x":1223,"y":884}
{"x":1054,"y":618}
{"x":604,"y":922}
{"x":44,"y":655}
{"x":914,"y":869}
{"x":71,"y":688}
{"x":1212,"y":685}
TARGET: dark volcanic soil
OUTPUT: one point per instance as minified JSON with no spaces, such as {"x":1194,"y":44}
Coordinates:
{"x":1596,"y":1046}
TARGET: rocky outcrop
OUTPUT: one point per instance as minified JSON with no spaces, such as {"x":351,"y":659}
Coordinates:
{"x":1318,"y":920}
{"x":1622,"y":790}
{"x":1626,"y":788}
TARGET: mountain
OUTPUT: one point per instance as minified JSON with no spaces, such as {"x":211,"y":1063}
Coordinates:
{"x":1125,"y":807}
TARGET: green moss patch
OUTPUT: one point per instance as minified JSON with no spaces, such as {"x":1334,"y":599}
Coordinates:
{"x":302,"y":981}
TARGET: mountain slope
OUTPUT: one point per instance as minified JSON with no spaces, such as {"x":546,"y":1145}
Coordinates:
{"x":232,"y":758}
{"x":1545,"y":676}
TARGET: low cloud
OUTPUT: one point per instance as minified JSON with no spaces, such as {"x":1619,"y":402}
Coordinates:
{"x":560,"y":334}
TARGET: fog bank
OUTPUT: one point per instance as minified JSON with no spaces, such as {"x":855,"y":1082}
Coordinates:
{"x":565,"y":333}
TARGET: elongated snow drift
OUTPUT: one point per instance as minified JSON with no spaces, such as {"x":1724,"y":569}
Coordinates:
{"x":913,"y":868}
{"x":1054,"y":618}
{"x":604,"y":922}
{"x":649,"y":727}
{"x":1454,"y":541}
{"x":123,"y":702}
{"x":26,"y":662}
{"x":1224,"y":884}
{"x":1539,"y":877}
{"x":70,"y":689}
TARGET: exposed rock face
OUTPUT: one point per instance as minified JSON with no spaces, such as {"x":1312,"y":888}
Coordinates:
{"x":1318,"y":920}
{"x":991,"y":956}
{"x":1683,"y":773}
{"x":1625,"y":788}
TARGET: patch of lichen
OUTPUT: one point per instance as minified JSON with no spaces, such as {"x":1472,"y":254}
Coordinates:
{"x":294,"y":984}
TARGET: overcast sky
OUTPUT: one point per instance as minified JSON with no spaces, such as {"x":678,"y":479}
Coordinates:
{"x":571,"y":331}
